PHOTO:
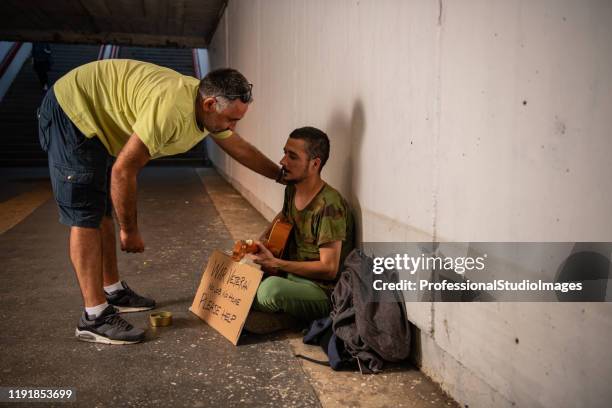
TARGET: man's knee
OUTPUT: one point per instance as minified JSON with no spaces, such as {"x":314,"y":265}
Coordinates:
{"x":270,"y":291}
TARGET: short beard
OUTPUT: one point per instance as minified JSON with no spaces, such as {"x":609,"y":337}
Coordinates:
{"x":297,"y":180}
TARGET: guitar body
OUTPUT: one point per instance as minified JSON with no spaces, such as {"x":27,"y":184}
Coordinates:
{"x":275,"y":242}
{"x":278,"y":238}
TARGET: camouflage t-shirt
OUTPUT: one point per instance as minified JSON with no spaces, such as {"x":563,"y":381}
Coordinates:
{"x":326,"y":218}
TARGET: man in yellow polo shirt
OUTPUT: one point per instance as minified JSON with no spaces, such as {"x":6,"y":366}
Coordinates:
{"x":100,"y":124}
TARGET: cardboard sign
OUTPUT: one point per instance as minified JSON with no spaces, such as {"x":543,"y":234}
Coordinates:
{"x":225,"y":294}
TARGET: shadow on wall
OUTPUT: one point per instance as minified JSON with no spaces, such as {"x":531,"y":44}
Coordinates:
{"x":588,"y":263}
{"x":346,"y":139}
{"x":346,"y":135}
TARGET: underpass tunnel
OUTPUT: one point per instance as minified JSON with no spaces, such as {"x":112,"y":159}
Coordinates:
{"x":477,"y":124}
{"x":187,"y":210}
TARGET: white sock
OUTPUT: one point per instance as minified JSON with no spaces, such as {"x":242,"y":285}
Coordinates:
{"x":115,"y":286}
{"x":95,"y":311}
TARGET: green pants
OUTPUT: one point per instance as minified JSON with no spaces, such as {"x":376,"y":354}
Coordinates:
{"x":297,"y":296}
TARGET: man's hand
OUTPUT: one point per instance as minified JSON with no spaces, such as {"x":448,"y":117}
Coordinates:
{"x":325,"y":269}
{"x":131,"y":241}
{"x":131,"y":159}
{"x":265,"y":258}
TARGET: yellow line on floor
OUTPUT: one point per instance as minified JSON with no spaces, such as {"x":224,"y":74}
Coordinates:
{"x":16,"y":209}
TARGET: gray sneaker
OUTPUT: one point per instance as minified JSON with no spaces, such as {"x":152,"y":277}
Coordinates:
{"x":126,"y":300}
{"x":108,"y":328}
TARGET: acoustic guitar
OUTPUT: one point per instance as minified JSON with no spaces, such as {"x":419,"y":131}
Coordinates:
{"x":275,"y":242}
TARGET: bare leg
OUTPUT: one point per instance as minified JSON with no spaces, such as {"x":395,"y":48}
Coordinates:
{"x":109,"y":251}
{"x":86,"y":257}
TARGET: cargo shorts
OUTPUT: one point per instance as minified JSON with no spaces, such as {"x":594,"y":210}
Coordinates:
{"x":79,"y":167}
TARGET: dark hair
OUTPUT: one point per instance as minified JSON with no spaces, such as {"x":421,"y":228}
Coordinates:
{"x":317,"y":143}
{"x":224,"y":81}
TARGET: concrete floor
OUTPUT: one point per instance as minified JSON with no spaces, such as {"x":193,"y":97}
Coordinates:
{"x":187,"y":364}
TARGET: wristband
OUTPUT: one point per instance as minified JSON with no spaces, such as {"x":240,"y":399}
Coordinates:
{"x":281,"y":174}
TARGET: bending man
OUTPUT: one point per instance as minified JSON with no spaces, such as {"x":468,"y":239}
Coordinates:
{"x":132,"y":111}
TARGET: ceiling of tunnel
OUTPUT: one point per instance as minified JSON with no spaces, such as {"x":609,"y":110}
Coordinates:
{"x":156,"y":23}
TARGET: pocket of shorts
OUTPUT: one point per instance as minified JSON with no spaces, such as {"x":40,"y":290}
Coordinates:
{"x":71,"y":187}
{"x":81,"y":142}
{"x":44,"y":123}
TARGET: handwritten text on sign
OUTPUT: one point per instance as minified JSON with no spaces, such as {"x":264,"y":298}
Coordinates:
{"x":225,"y":294}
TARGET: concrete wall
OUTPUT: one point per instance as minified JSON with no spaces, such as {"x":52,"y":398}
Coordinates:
{"x":451,"y":121}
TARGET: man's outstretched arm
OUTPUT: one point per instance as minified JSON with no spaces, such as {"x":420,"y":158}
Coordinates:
{"x":248,"y":155}
{"x":130,"y":160}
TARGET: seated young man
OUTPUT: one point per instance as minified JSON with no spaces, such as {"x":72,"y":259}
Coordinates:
{"x":321,"y":237}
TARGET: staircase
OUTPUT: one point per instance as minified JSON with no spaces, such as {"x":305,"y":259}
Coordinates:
{"x":180,"y":60}
{"x":18,"y":123}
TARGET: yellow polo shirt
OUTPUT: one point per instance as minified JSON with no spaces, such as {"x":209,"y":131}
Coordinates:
{"x":112,"y":99}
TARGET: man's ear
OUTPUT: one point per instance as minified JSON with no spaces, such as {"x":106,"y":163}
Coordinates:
{"x":208,"y":105}
{"x":316,"y":164}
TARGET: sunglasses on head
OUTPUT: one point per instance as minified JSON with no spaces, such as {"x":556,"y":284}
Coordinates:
{"x":244,"y":98}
